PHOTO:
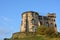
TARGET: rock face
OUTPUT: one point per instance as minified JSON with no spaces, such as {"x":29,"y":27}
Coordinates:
{"x":31,"y":20}
{"x":18,"y":35}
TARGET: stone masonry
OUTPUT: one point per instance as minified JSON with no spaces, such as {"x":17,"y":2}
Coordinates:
{"x":31,"y":20}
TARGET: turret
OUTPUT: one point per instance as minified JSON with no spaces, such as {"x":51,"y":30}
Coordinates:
{"x":29,"y":21}
{"x":51,"y":20}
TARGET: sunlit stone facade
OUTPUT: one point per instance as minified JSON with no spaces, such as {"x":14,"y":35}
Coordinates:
{"x":31,"y":20}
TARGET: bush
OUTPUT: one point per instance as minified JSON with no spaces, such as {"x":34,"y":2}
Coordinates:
{"x":44,"y":30}
{"x":41,"y":30}
{"x":6,"y":39}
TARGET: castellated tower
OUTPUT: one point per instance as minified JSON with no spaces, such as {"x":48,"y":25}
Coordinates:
{"x":30,"y":20}
{"x":52,"y":21}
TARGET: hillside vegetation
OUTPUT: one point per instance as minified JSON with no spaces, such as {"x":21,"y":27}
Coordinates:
{"x":42,"y":33}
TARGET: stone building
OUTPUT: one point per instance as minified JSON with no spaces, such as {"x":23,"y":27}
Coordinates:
{"x":31,"y":20}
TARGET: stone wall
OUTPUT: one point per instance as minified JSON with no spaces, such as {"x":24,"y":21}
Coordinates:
{"x":31,"y":20}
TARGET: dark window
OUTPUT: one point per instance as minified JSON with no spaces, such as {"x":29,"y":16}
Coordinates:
{"x":32,"y":14}
{"x":55,"y":25}
{"x":40,"y":17}
{"x":41,"y":23}
{"x":33,"y":21}
{"x":45,"y":18}
{"x":54,"y":19}
{"x":51,"y":24}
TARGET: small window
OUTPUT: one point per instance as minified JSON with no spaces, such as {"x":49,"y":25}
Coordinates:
{"x":40,"y":22}
{"x":32,"y":14}
{"x":40,"y":17}
{"x":54,"y":19}
{"x":55,"y":25}
{"x":33,"y":21}
{"x":51,"y":24}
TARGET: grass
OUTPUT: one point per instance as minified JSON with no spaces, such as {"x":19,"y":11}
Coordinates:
{"x":40,"y":37}
{"x":31,"y":38}
{"x":42,"y":33}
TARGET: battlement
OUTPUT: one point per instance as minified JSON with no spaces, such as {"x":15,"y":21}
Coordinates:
{"x":29,"y":12}
{"x":51,"y":15}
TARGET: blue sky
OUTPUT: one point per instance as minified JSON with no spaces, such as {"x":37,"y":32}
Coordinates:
{"x":11,"y":10}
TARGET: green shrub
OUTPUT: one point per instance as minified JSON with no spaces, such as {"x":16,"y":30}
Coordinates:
{"x":41,"y":30}
{"x":6,"y":39}
{"x":44,"y":30}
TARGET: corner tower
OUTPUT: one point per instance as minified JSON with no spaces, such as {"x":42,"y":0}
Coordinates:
{"x":51,"y":21}
{"x":30,"y":21}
